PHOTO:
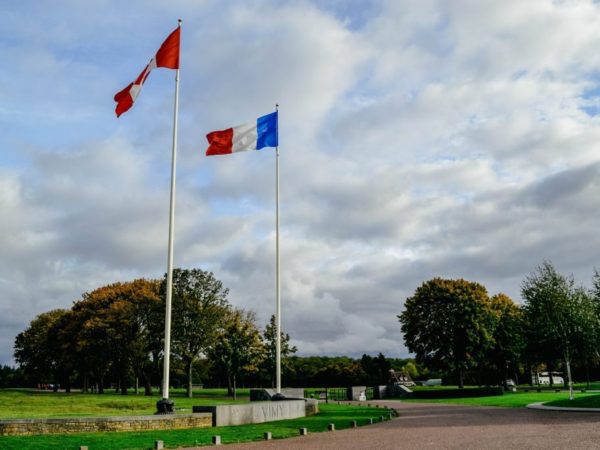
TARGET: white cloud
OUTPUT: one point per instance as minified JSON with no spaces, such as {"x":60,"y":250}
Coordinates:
{"x":418,"y":139}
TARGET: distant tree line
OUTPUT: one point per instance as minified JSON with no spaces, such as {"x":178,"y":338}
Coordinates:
{"x":455,"y":328}
{"x":113,"y":336}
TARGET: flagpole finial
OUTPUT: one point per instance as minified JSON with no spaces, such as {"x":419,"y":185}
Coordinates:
{"x":276,"y":106}
{"x":179,"y":21}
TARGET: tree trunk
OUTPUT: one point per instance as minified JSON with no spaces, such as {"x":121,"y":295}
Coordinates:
{"x":147,"y":386}
{"x":461,"y":383}
{"x":189,"y":369}
{"x":550,"y":375}
{"x":569,"y":377}
{"x":101,"y":385}
{"x":229,"y":386}
{"x":123,"y":387}
{"x":85,"y":384}
{"x":234,"y":393}
{"x":587,"y":373}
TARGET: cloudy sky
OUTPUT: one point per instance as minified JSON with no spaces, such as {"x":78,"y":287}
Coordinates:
{"x":418,"y":138}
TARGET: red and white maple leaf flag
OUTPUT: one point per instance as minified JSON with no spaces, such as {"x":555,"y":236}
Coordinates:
{"x":167,"y":56}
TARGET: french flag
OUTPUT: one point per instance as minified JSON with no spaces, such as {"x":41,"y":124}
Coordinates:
{"x":250,"y":136}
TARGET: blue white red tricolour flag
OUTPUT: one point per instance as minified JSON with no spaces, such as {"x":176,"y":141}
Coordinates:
{"x":251,"y":136}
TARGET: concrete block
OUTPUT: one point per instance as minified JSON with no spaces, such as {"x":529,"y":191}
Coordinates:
{"x":216,"y":440}
{"x":303,"y":431}
{"x":159,"y":445}
{"x":267,"y":436}
{"x":331,"y":427}
{"x":254,"y":412}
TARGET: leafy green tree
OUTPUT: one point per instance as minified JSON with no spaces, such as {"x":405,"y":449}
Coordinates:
{"x":270,"y":341}
{"x":411,"y":369}
{"x":340,"y":372}
{"x":561,"y":316}
{"x":238,"y":348}
{"x":199,"y":308}
{"x":508,"y":335}
{"x":11,"y":377}
{"x":448,"y":324}
{"x":377,"y":369}
{"x":33,"y":348}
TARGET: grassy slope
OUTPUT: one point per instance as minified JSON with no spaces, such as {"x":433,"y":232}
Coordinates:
{"x":25,"y":403}
{"x":339,"y":415}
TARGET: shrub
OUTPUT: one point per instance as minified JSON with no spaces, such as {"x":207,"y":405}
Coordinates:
{"x":458,"y":393}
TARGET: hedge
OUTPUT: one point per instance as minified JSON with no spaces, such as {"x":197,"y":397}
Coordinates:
{"x":458,"y":393}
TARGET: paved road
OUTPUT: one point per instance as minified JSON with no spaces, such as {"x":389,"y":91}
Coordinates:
{"x":433,"y":426}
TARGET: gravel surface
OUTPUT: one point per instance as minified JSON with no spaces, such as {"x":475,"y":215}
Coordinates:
{"x":435,"y":426}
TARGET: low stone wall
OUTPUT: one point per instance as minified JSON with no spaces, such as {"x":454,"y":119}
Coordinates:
{"x":256,"y":412}
{"x":14,"y":427}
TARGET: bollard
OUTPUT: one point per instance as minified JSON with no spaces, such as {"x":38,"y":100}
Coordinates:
{"x":353,"y":424}
{"x":370,"y":421}
{"x":216,"y":440}
{"x":159,"y":445}
{"x":331,"y":427}
{"x":381,"y":418}
{"x":303,"y":431}
{"x":267,"y":436}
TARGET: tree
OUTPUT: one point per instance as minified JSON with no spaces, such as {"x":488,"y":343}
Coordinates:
{"x":509,"y":340}
{"x":560,"y":315}
{"x":270,"y":342}
{"x":199,"y":307}
{"x":411,"y":369}
{"x":122,"y":317}
{"x":33,"y":348}
{"x":239,"y":348}
{"x":376,"y":369}
{"x":448,"y":324}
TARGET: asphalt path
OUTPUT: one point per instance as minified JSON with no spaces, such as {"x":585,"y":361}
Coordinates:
{"x":435,"y":426}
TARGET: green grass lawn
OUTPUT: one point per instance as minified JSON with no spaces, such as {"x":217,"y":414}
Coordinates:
{"x":340,"y":415}
{"x":509,"y":399}
{"x":28,"y":403}
{"x":580,"y":401}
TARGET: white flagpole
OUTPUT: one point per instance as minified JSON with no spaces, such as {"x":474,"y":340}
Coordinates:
{"x":277,"y":268}
{"x":165,"y":405}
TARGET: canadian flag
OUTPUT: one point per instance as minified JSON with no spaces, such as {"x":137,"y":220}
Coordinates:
{"x":167,"y":56}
